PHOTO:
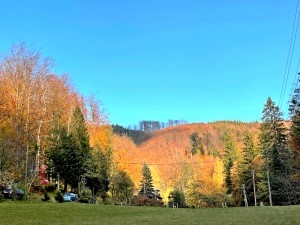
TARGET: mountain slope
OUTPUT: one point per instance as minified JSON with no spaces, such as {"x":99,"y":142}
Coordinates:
{"x":168,"y":152}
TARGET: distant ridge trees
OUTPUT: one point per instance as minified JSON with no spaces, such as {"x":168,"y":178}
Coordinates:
{"x":137,"y":136}
{"x":151,"y":125}
{"x":142,"y":132}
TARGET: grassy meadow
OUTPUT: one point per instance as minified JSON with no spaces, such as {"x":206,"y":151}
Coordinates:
{"x":76,"y":213}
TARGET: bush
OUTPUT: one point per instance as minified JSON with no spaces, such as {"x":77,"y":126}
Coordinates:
{"x":154,"y":202}
{"x":140,"y":200}
{"x":177,"y":199}
{"x":145,"y":201}
{"x":46,"y":197}
{"x":59,"y":197}
{"x":86,"y":195}
{"x":50,"y":187}
{"x":212,"y":201}
{"x":99,"y":200}
{"x":18,"y":194}
{"x":34,"y":197}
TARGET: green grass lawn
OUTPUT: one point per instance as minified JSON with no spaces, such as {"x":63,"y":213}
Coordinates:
{"x":76,"y":213}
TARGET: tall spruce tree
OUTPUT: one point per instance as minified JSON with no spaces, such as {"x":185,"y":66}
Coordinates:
{"x":98,"y":178}
{"x":79,"y":131}
{"x":294,"y":141}
{"x":147,"y":188}
{"x":229,"y":159}
{"x":274,"y":147}
{"x":248,"y":154}
{"x":294,"y":109}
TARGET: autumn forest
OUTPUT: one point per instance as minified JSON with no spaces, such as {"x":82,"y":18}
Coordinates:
{"x":51,"y":134}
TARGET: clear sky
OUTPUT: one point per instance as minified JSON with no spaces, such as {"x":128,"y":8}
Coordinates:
{"x":196,"y":60}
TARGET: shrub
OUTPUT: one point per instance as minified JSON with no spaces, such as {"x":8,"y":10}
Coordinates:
{"x":212,"y":201}
{"x":34,"y":197}
{"x":86,"y":195}
{"x":50,"y":187}
{"x":18,"y":194}
{"x":177,"y":198}
{"x":154,"y":202}
{"x":46,"y":197}
{"x":59,"y":197}
{"x":142,"y":200}
{"x":100,"y":200}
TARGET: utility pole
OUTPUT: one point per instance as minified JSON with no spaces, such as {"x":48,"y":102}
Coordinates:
{"x":26,"y":163}
{"x":58,"y":181}
{"x":268,"y":177}
{"x":245,"y":196}
{"x":253,"y":171}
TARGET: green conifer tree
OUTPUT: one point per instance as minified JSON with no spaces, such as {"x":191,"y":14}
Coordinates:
{"x":147,"y":188}
{"x":294,"y":141}
{"x":229,"y":158}
{"x":248,"y":154}
{"x":273,"y":144}
{"x":70,"y":152}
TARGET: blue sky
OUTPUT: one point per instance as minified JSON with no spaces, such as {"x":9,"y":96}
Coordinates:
{"x":157,"y":60}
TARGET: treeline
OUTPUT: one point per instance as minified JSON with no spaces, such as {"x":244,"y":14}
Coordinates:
{"x":137,"y":136}
{"x":142,"y":132}
{"x":152,"y":125}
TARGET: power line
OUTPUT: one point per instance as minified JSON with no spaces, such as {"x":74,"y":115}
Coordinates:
{"x":295,"y":77}
{"x":293,"y":88}
{"x":290,"y":59}
{"x":290,"y":56}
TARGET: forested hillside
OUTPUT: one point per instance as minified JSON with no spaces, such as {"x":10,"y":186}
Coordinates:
{"x":174,"y":158}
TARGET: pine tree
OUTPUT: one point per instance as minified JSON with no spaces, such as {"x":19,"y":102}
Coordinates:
{"x":248,"y":156}
{"x":236,"y":184}
{"x":295,"y":119}
{"x":147,"y":188}
{"x":294,"y":142}
{"x":230,"y":157}
{"x":273,"y":144}
{"x":79,"y":131}
{"x":99,"y":178}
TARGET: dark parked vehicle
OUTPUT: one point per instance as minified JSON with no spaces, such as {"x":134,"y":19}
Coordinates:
{"x":10,"y":193}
